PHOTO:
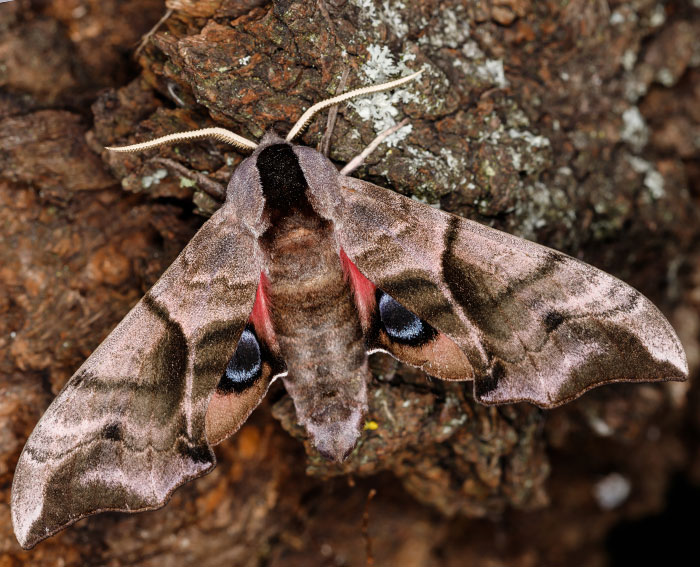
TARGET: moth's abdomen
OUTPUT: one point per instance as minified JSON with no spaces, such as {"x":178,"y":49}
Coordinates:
{"x":319,"y":333}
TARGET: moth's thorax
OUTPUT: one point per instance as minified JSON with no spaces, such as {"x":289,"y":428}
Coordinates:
{"x":280,"y":177}
{"x":282,"y":181}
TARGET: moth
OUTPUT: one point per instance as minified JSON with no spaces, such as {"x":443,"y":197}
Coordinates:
{"x":300,"y":274}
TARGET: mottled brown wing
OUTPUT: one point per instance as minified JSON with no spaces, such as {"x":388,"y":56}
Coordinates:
{"x":129,"y":426}
{"x":536,"y":325}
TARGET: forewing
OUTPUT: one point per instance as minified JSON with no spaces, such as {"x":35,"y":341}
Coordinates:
{"x":129,"y":427}
{"x":535,"y":324}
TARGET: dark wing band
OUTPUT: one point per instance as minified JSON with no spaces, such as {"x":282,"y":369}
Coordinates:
{"x":129,"y":426}
{"x":535,"y":324}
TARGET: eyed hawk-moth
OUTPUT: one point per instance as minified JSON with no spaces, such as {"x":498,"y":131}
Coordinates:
{"x":300,"y":274}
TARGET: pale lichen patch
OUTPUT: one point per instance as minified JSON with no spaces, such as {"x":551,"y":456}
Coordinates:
{"x":446,"y":173}
{"x":450,"y":29}
{"x":540,"y":206}
{"x":392,"y":15}
{"x":488,"y":72}
{"x":612,"y":491}
{"x":634,"y":129}
{"x":492,"y":71}
{"x":389,"y":13}
{"x":653,"y":180}
{"x":153,"y":179}
{"x":629,"y":59}
{"x":380,"y":108}
{"x":658,"y":17}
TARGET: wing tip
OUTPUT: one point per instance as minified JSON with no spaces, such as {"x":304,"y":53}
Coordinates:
{"x":29,"y":539}
{"x":551,"y":402}
{"x":32,"y":522}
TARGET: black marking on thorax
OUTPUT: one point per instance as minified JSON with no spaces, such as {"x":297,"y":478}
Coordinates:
{"x":283,"y":182}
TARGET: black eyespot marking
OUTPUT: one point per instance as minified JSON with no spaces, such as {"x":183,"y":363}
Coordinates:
{"x":552,"y":320}
{"x":80,"y":377}
{"x":113,"y":432}
{"x":402,"y":325}
{"x":195,"y":453}
{"x":486,"y":384}
{"x":245,"y":366}
{"x":282,"y":179}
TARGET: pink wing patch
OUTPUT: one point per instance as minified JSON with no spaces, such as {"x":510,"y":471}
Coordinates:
{"x":428,"y":349}
{"x":260,"y":315}
{"x":363,"y":288}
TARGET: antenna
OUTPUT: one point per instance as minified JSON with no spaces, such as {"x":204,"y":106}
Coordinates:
{"x":306,"y":117}
{"x":242,"y":143}
{"x":220,"y":134}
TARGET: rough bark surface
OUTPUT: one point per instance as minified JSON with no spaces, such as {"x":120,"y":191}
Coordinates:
{"x":574,"y":123}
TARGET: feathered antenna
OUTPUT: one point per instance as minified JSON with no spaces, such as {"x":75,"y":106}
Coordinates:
{"x":306,"y":117}
{"x":220,"y":134}
{"x":242,"y":143}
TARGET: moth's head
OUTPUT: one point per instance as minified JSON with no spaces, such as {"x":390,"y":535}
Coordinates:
{"x":279,"y":177}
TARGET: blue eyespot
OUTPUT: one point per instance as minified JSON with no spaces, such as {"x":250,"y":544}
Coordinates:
{"x":400,"y":324}
{"x":245,"y":366}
